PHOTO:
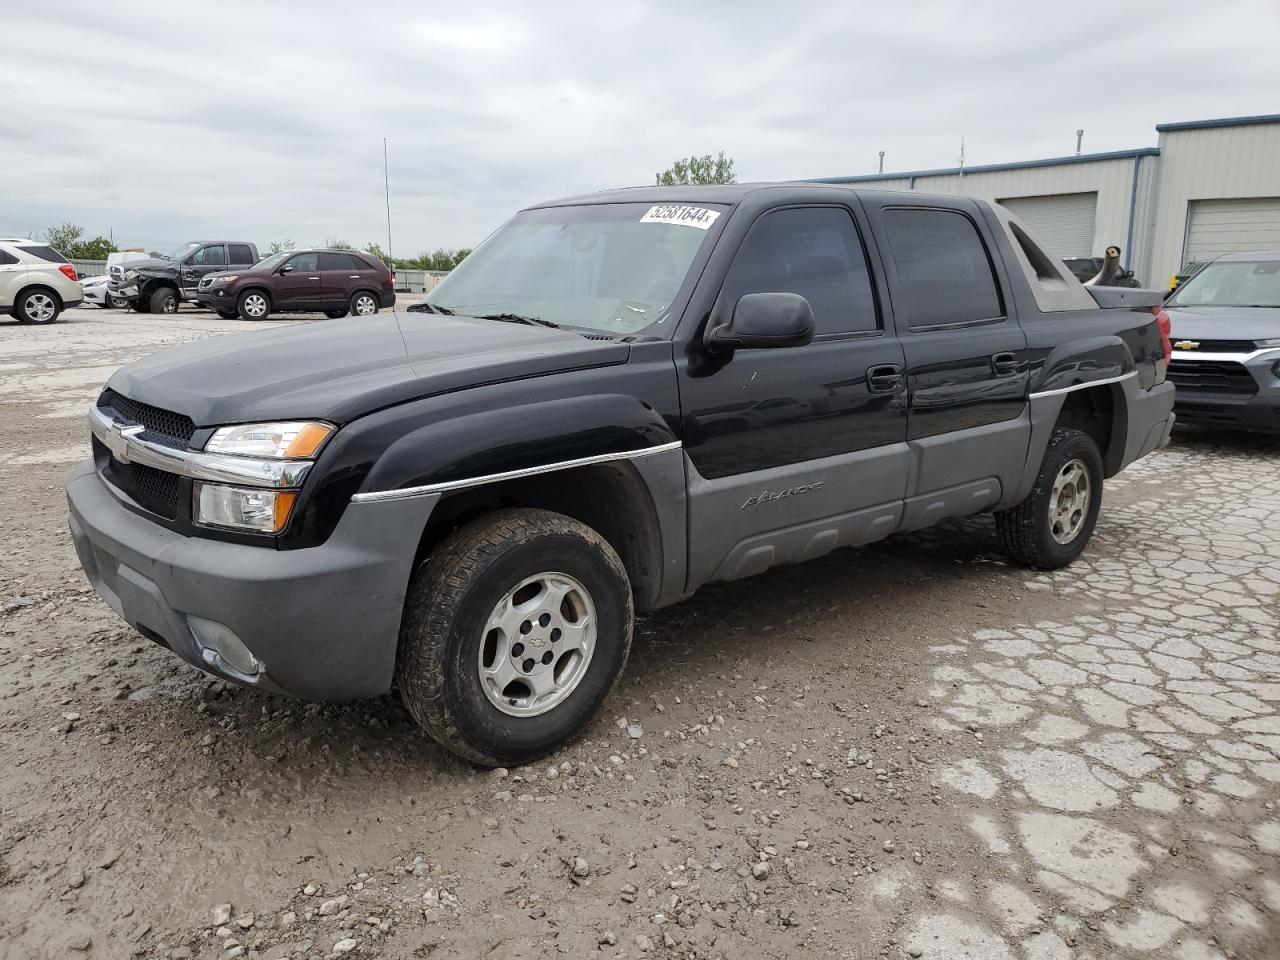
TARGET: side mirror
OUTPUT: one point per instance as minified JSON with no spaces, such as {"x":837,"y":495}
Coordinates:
{"x":287,"y":268}
{"x":765,"y":320}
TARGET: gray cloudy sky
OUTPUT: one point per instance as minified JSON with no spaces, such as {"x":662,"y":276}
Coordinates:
{"x":171,"y":121}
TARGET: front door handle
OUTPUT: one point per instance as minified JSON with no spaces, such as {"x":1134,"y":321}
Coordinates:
{"x":1004,"y":364}
{"x":884,"y":378}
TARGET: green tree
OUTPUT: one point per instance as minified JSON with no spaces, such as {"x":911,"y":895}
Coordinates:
{"x":460,"y":255}
{"x":64,"y":238}
{"x":95,"y":249}
{"x":280,"y":246}
{"x":698,"y":170}
{"x":335,"y":243}
{"x":377,"y":251}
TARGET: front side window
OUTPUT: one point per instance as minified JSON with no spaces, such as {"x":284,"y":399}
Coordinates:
{"x":610,"y":268}
{"x":814,"y":252}
{"x":210,"y":256}
{"x":1234,"y":283}
{"x":305,"y":262}
{"x":944,"y":273}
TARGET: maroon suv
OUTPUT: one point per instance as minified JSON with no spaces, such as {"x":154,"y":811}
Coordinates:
{"x":333,"y":282}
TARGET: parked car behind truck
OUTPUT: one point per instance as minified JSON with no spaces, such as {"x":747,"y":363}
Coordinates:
{"x":474,"y":499}
{"x":335,"y":282}
{"x":159,"y":285}
{"x":36,"y":281}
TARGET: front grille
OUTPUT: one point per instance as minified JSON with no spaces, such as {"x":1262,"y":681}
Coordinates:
{"x":151,"y":489}
{"x":1212,"y":376}
{"x":162,"y":426}
{"x":116,"y":271}
{"x":1219,"y":346}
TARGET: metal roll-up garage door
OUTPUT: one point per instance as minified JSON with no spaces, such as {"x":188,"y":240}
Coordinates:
{"x":1215,"y":227}
{"x":1062,"y":222}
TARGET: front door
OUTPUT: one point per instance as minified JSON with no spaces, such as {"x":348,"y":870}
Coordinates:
{"x":966,"y":356}
{"x":795,"y":451}
{"x":299,"y":283}
{"x":211,"y":258}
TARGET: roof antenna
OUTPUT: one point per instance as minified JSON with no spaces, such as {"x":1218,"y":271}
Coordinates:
{"x":386,"y":183}
{"x":1079,"y":138}
{"x":882,"y":161}
{"x":962,"y":156}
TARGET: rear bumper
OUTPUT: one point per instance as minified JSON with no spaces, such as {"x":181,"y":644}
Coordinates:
{"x":323,"y":622}
{"x":1151,"y":419}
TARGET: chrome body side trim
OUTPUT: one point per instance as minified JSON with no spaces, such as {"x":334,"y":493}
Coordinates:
{"x":448,"y":485}
{"x":127,"y":446}
{"x":1084,"y":386}
{"x":1229,"y":357}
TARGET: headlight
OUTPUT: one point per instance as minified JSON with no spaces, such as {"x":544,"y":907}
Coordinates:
{"x":131,"y":274}
{"x":299,"y":441}
{"x":252,"y":509}
{"x":1263,"y":344}
{"x":219,"y":281}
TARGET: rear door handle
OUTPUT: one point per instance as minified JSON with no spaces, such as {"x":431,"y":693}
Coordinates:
{"x":1004,"y":364}
{"x":884,"y":378}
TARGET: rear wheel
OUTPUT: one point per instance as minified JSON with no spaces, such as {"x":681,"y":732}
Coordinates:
{"x":253,"y":305}
{"x":515,"y":630}
{"x":364,"y":304}
{"x":164,"y":300}
{"x":336,"y":314}
{"x":1052,"y":526}
{"x":37,"y":306}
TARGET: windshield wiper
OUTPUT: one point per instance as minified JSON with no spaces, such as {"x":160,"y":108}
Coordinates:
{"x":519,"y":318}
{"x":423,"y":307}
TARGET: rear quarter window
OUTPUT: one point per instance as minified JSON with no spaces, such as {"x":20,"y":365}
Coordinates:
{"x":44,"y":252}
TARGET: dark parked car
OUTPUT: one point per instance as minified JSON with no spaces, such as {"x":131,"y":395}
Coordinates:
{"x":333,"y":282}
{"x":160,"y":284}
{"x":616,"y":399}
{"x":1225,"y":324}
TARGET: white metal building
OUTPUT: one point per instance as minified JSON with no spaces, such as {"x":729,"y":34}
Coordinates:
{"x":1209,"y":187}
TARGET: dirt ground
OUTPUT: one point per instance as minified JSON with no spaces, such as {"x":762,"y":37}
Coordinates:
{"x":909,"y":750}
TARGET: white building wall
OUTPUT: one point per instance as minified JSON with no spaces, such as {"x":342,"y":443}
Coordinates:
{"x":1208,"y":163}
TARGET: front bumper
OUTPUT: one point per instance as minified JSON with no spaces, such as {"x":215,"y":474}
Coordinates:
{"x":1240,"y":392}
{"x":323,"y":622}
{"x":215,"y":298}
{"x":96,"y":294}
{"x":1257,"y":414}
{"x":130,"y":291}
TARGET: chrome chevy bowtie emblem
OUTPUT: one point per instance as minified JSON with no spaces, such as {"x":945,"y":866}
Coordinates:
{"x":117,"y":440}
{"x":1187,"y":345}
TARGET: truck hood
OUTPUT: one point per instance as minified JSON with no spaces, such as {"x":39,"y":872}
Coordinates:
{"x":151,"y":263}
{"x":1225,"y":323}
{"x":338,"y":370}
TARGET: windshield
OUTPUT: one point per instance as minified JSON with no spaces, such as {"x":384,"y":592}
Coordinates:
{"x":270,"y":263}
{"x":1233,"y":283}
{"x":182,"y":251}
{"x":609,"y":268}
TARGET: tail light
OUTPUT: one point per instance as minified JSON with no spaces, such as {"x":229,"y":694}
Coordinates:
{"x":1166,"y":327}
{"x":69,"y":270}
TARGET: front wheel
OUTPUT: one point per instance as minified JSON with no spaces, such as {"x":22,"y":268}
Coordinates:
{"x":253,"y":305}
{"x":515,"y":630}
{"x":1052,"y":526}
{"x":364,"y":304}
{"x":164,"y":300}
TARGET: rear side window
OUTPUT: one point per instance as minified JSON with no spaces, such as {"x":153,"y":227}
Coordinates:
{"x":812,"y":251}
{"x":943,"y":268}
{"x":7,"y":258}
{"x":44,"y":252}
{"x":362,"y":263}
{"x":240,"y":253}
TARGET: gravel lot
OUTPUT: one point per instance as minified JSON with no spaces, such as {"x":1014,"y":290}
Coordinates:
{"x":909,"y":750}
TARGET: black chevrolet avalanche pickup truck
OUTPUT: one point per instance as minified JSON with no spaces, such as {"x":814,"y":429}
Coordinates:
{"x":616,"y":399}
{"x":158,"y":285}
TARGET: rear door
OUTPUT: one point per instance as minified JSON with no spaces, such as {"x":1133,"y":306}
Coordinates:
{"x":12,"y":273}
{"x":240,"y":256}
{"x":796,"y":451}
{"x":299,"y":282}
{"x":966,"y":356}
{"x":340,"y":274}
{"x":210,"y":258}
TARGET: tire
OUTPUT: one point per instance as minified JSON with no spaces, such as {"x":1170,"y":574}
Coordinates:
{"x":253,"y":305}
{"x":336,"y":314}
{"x":446,"y":640}
{"x":163,"y":300}
{"x":1052,"y":526}
{"x":37,"y":305}
{"x":226,"y":314}
{"x":363,"y":304}
{"x":140,"y":305}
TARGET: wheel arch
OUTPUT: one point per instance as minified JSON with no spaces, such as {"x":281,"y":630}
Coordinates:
{"x":258,"y":288}
{"x":37,"y":285}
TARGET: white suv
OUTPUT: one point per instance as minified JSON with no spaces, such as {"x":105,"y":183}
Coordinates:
{"x":36,"y":282}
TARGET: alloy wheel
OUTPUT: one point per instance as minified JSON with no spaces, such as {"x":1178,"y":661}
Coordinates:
{"x":41,"y":308}
{"x":365,"y":306}
{"x":1069,"y":501}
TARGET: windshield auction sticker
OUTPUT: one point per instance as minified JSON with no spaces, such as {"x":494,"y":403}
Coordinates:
{"x":699,"y":217}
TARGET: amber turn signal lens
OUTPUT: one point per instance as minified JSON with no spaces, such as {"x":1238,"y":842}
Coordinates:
{"x":283,"y":507}
{"x":308,"y":440}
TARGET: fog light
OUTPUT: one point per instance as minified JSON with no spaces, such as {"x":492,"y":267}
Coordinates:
{"x":256,"y":509}
{"x":219,"y":646}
